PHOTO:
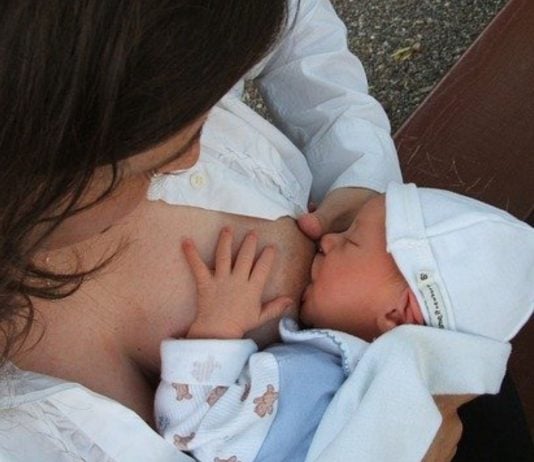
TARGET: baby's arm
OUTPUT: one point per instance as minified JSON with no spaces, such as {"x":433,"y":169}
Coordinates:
{"x":216,"y":397}
{"x":195,"y":374}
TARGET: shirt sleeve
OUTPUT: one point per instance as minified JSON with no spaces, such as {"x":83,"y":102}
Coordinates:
{"x":316,"y":91}
{"x":216,"y":398}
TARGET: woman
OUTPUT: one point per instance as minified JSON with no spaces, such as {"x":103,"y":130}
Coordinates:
{"x":100,"y":97}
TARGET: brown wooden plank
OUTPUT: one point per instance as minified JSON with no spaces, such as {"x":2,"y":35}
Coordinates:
{"x":474,"y":134}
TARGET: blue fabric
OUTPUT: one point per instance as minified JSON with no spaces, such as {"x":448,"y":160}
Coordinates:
{"x":309,"y":378}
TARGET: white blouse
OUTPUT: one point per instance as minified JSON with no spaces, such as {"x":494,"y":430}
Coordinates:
{"x":329,"y":132}
{"x":316,"y":91}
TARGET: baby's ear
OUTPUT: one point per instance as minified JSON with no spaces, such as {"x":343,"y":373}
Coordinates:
{"x":406,"y":311}
{"x":388,"y":320}
{"x":412,"y":305}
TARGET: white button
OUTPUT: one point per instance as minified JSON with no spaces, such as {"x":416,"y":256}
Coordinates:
{"x":197,"y":180}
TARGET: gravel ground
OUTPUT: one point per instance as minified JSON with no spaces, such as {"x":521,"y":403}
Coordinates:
{"x":407,"y":46}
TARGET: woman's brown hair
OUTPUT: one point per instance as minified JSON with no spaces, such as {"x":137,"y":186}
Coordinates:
{"x":85,"y":83}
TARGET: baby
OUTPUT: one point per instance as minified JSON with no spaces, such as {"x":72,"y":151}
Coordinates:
{"x":413,"y":256}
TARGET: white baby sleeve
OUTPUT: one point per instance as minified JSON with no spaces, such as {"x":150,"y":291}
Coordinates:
{"x":217,"y":398}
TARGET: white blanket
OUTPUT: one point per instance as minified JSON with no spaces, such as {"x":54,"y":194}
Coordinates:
{"x":385,"y":411}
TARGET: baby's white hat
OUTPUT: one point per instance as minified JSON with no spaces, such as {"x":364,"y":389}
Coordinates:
{"x":470,"y":265}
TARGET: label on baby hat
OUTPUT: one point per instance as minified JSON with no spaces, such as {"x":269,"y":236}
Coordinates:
{"x":434,"y":303}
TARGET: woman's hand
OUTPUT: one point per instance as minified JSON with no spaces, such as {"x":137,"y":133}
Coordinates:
{"x":229,"y":297}
{"x":335,"y":213}
{"x":445,"y":443}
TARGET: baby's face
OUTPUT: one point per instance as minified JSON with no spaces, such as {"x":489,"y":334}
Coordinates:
{"x":353,"y":276}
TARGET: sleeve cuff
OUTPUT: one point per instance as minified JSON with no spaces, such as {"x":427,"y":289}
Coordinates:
{"x":204,"y":362}
{"x":351,"y":178}
{"x":353,"y":153}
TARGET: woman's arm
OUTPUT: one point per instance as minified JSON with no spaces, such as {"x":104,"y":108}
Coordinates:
{"x":316,"y":90}
{"x":445,"y":443}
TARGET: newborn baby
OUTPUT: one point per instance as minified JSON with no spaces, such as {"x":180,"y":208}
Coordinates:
{"x":413,"y":256}
{"x":424,"y":256}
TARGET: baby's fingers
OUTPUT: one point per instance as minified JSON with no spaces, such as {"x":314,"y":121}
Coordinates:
{"x":263,"y":266}
{"x":223,"y":254}
{"x":246,"y":254}
{"x":200,"y":271}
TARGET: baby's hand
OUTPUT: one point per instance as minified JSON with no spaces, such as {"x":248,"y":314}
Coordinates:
{"x":229,"y":297}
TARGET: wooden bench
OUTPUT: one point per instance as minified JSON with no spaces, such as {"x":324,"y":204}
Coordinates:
{"x":474,"y":134}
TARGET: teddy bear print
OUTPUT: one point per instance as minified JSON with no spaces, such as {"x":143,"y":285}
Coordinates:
{"x":215,"y":394}
{"x":231,"y":459}
{"x":264,"y":403}
{"x":181,"y":442}
{"x":182,"y":391}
